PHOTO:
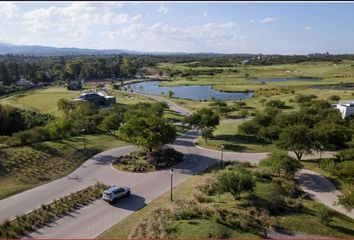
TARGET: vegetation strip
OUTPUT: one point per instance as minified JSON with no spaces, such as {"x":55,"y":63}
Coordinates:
{"x":50,"y":212}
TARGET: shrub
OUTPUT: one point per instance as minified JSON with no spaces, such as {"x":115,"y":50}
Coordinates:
{"x":200,"y":197}
{"x":186,"y":209}
{"x":157,"y":225}
{"x":328,"y":165}
{"x":208,"y":186}
{"x":275,"y":103}
{"x":324,"y":215}
{"x":290,"y":188}
{"x":347,"y":200}
{"x":346,"y":155}
{"x":235,"y":181}
{"x":345,"y":171}
{"x":298,"y":205}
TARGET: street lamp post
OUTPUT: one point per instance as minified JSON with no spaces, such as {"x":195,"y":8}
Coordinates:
{"x":83,"y":130}
{"x":222,"y":155}
{"x":172,"y":171}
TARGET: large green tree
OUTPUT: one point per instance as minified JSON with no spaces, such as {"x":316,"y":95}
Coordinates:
{"x":205,"y":120}
{"x":149,"y":132}
{"x":298,"y":139}
{"x":279,"y":163}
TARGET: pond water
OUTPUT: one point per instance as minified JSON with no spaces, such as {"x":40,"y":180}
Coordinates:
{"x":194,"y":92}
{"x":286,"y":79}
{"x":340,"y":86}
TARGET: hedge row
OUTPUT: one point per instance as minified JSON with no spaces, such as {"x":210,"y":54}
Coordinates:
{"x":50,"y":212}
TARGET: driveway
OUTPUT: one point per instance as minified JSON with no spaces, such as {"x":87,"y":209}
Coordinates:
{"x":97,"y":217}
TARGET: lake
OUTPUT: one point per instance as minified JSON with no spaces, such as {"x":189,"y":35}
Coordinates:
{"x":265,"y":80}
{"x":193,"y":92}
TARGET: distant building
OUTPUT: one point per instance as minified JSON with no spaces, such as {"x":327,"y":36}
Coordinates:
{"x":74,"y":85}
{"x":346,"y":108}
{"x":99,"y":98}
{"x":25,"y":83}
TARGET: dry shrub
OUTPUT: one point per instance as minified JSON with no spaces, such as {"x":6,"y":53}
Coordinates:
{"x":158,"y":224}
{"x":208,"y":186}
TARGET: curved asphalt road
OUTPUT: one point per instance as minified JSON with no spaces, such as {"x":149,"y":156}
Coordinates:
{"x":95,"y":218}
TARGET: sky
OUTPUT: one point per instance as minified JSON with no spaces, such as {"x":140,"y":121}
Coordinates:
{"x":227,"y":27}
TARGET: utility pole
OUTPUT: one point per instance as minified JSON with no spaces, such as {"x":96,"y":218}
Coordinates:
{"x":222,"y":156}
{"x":83,"y":130}
{"x":171,"y":173}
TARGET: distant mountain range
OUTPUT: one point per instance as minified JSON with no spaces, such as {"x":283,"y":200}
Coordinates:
{"x":36,"y":50}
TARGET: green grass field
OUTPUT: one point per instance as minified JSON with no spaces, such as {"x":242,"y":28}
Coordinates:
{"x":45,"y":100}
{"x":304,"y":221}
{"x":25,"y":167}
{"x":227,"y":134}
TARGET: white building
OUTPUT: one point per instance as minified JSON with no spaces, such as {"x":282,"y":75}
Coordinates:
{"x":346,"y":108}
{"x":24,"y":82}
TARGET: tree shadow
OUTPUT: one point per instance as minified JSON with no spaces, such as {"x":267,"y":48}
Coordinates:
{"x":103,"y":159}
{"x":316,"y":183}
{"x":240,"y":139}
{"x":46,"y":149}
{"x":181,"y":142}
{"x":193,"y":164}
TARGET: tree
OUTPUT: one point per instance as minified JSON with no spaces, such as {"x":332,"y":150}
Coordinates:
{"x":148,"y":132}
{"x":262,"y":101}
{"x":74,"y":68}
{"x":205,"y":120}
{"x":298,"y":139}
{"x":304,"y":99}
{"x":275,"y":103}
{"x":170,"y":93}
{"x":207,"y":133}
{"x":4,"y":74}
{"x":334,"y":98}
{"x":65,"y":106}
{"x":330,"y":136}
{"x":345,"y":170}
{"x":243,"y":113}
{"x":280,"y":163}
{"x":111,"y":122}
{"x":235,"y":181}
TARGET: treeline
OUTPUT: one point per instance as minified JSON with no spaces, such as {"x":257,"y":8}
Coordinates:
{"x":315,"y":127}
{"x":51,"y":69}
{"x":18,"y":127}
{"x":15,"y":119}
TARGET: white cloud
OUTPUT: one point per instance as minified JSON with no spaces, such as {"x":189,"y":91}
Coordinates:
{"x":8,"y":9}
{"x":76,"y":19}
{"x":307,"y":28}
{"x":205,"y":14}
{"x":264,"y":20}
{"x":214,"y":36}
{"x":163,"y":9}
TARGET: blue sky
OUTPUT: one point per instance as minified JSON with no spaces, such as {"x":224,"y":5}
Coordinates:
{"x":229,"y":27}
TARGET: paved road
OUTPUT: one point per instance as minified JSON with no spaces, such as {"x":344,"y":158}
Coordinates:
{"x":92,"y":220}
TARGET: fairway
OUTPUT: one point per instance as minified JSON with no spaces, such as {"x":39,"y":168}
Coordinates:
{"x":45,"y":100}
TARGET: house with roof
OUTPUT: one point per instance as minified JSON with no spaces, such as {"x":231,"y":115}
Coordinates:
{"x":99,"y":98}
{"x":74,"y":85}
{"x":346,"y":108}
{"x":25,"y":83}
